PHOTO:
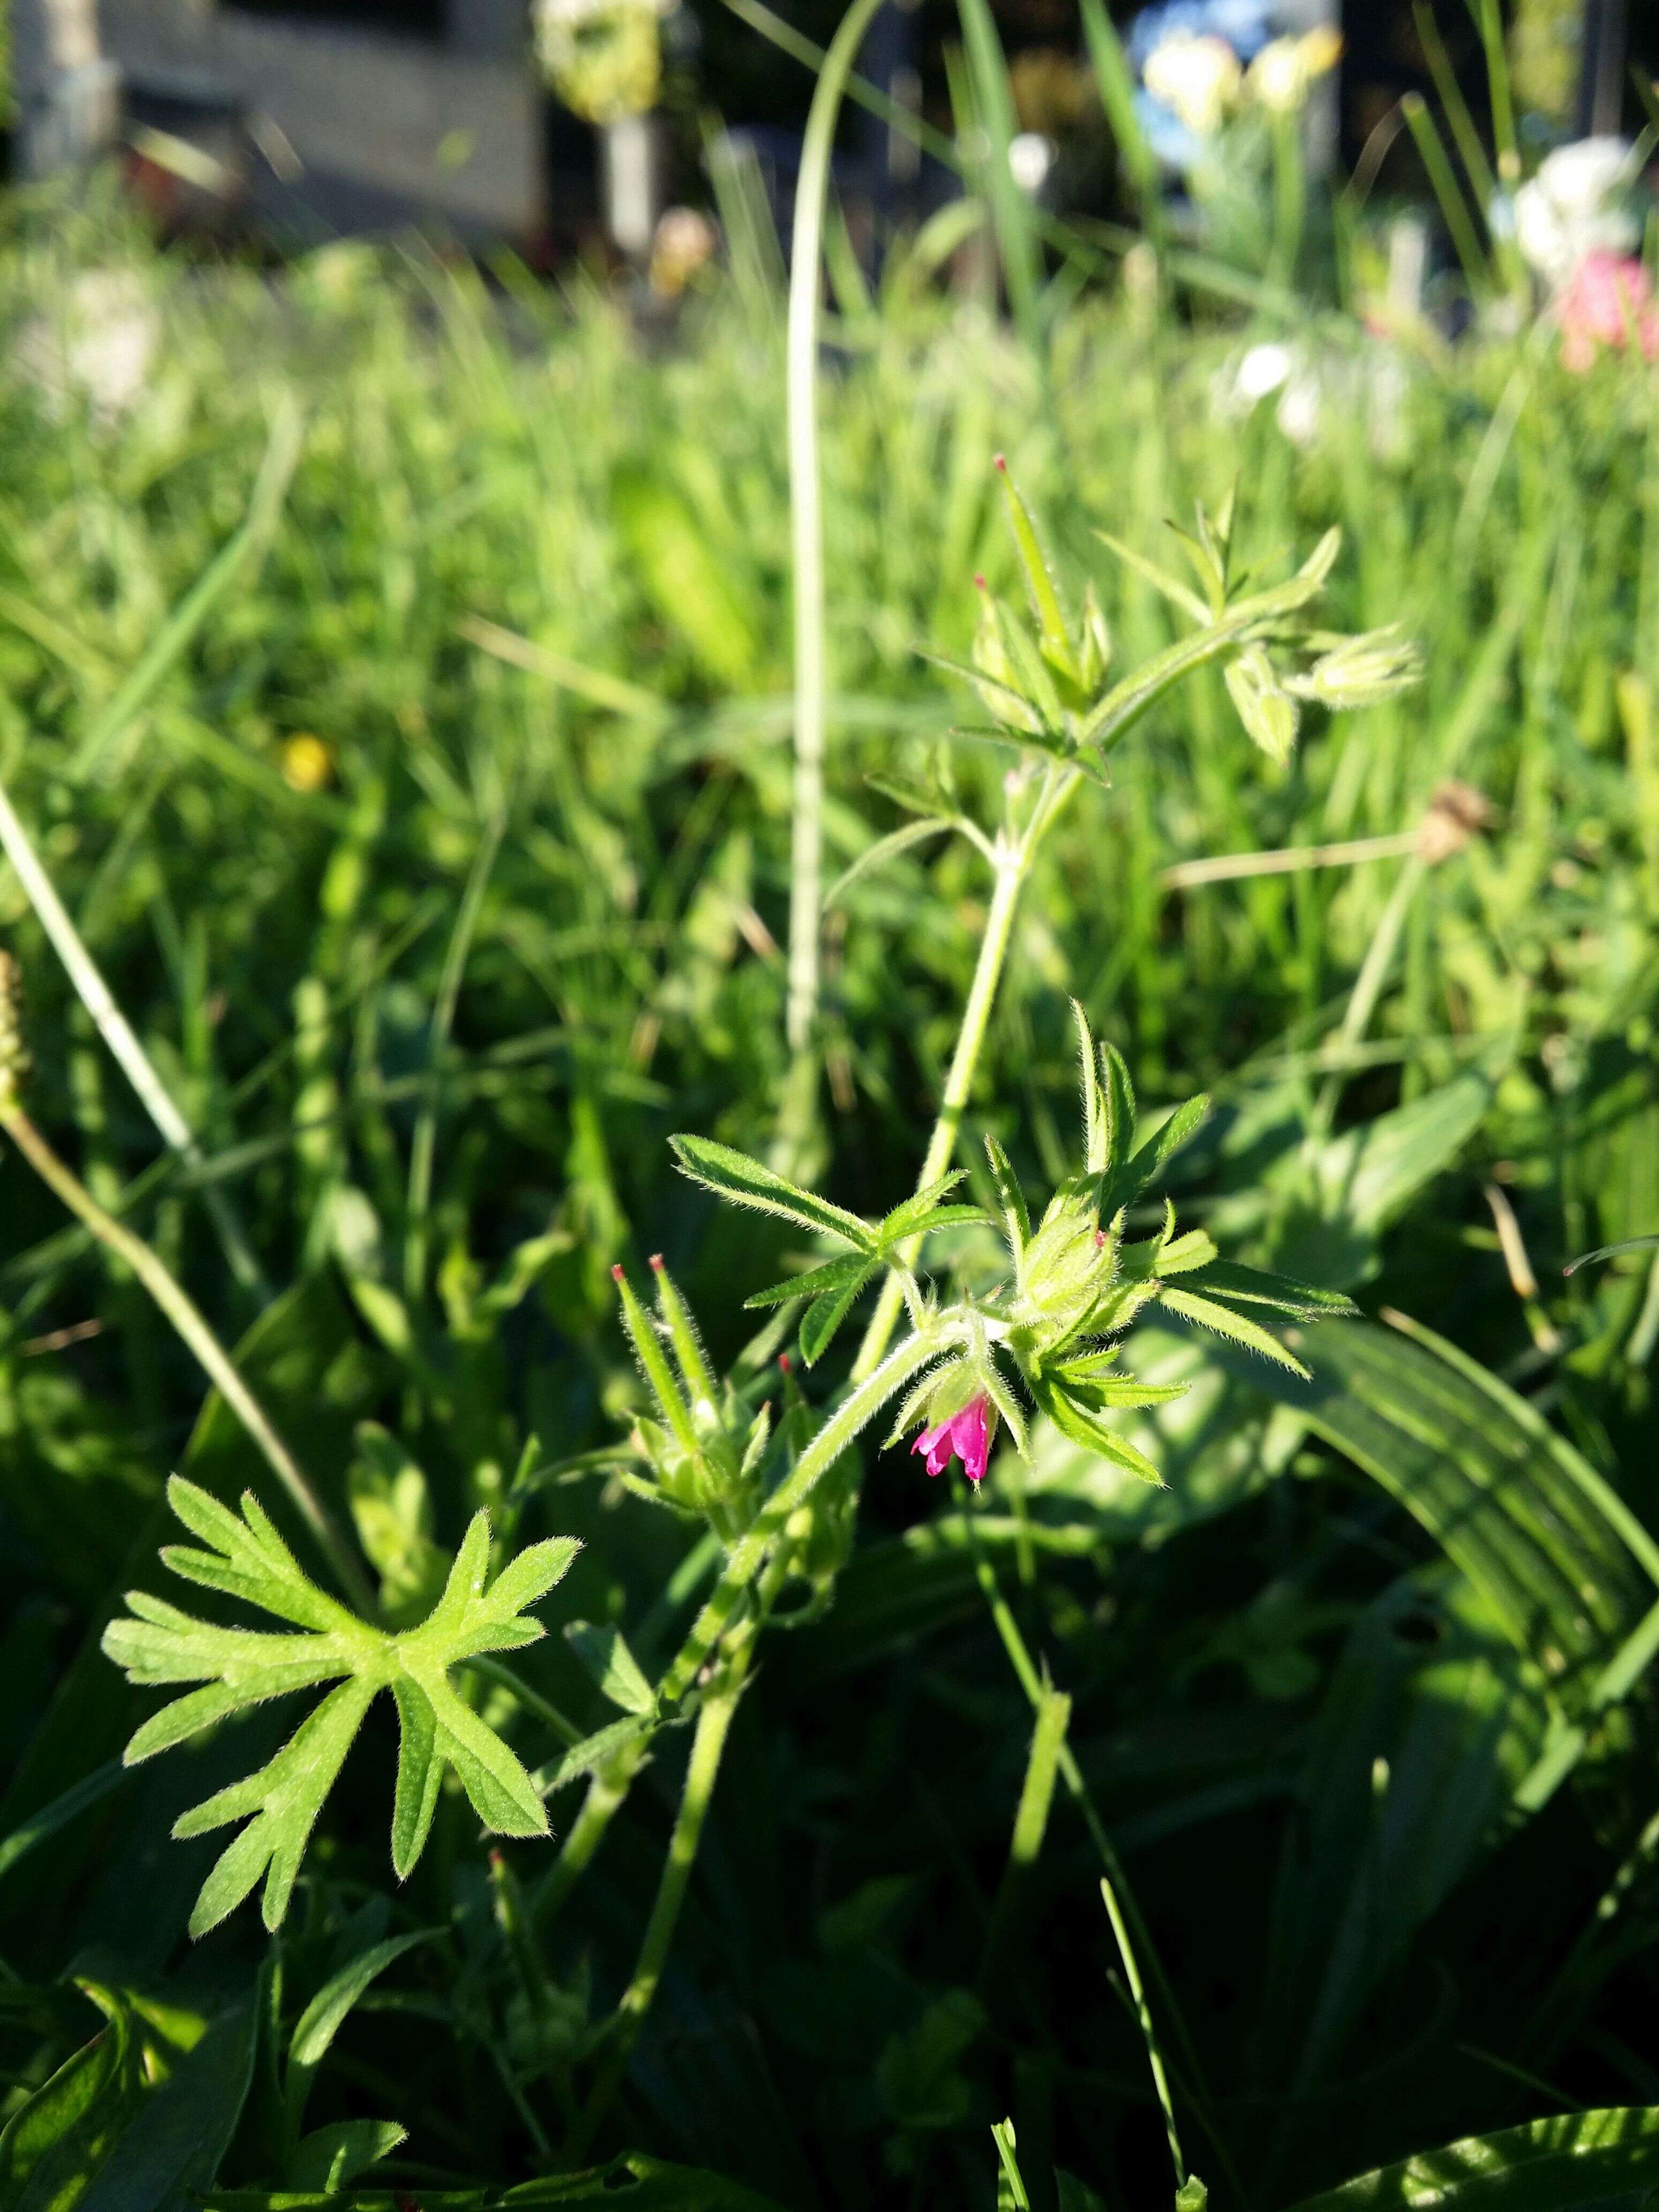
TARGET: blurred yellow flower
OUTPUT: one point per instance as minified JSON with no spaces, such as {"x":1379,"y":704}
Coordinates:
{"x":308,"y":762}
{"x":603,"y":57}
{"x":1283,"y":73}
{"x":1321,"y":49}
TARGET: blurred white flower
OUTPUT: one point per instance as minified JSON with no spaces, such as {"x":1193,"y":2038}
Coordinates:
{"x":100,"y":342}
{"x":1278,"y":79}
{"x":1030,"y":157}
{"x":1574,"y":208}
{"x":684,"y":242}
{"x":1263,"y":369}
{"x":1196,"y":77}
{"x":1302,"y":408}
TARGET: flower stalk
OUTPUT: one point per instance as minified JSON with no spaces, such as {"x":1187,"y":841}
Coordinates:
{"x":1014,"y":865}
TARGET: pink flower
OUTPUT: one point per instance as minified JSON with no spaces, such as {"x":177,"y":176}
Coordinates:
{"x":966,"y":1434}
{"x":1605,"y":299}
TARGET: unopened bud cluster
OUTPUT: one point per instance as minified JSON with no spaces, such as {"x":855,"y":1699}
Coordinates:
{"x":1044,"y":678}
{"x":704,"y":1450}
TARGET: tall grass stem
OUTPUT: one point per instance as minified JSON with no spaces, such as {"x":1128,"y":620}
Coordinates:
{"x":806,"y":528}
{"x":176,"y":1303}
{"x":119,"y":1035}
{"x":423,"y":1145}
{"x":1127,"y":1926}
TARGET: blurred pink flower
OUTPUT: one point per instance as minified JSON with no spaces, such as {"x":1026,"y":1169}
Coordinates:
{"x":1605,"y":299}
{"x":968,"y":1434}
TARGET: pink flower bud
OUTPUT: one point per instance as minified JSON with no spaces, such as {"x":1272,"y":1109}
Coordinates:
{"x":966,"y":1435}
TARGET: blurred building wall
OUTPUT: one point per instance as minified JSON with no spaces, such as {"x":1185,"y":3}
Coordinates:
{"x":384,"y":129}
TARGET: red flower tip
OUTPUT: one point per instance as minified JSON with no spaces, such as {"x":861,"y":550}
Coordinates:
{"x":656,"y":1263}
{"x":1100,"y":1239}
{"x":999,"y":462}
{"x":979,"y":582}
{"x":783,"y":1362}
{"x":617,"y":1272}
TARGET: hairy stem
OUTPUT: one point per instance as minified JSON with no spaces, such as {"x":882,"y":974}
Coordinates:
{"x":607,"y":1793}
{"x":806,"y":525}
{"x":1013,"y":865}
{"x":176,"y":1303}
{"x":708,"y":1747}
{"x":609,"y":1790}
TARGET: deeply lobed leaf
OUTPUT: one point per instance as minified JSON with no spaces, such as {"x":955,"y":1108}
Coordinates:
{"x":241,"y":1668}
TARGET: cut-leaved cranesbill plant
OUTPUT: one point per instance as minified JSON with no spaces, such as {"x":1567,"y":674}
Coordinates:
{"x":978,"y":1352}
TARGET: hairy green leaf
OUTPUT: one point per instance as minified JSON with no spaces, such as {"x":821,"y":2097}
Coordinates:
{"x":157,"y":1644}
{"x":834,"y":1275}
{"x":733,"y":1175}
{"x":1236,"y":1327}
{"x":329,"y":2159}
{"x":604,"y":1653}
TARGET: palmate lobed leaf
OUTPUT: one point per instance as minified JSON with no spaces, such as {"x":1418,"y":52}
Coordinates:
{"x":241,"y":1668}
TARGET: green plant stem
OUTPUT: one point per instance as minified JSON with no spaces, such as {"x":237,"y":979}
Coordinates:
{"x":532,"y":1701}
{"x":1368,"y":984}
{"x":708,"y":1746}
{"x":606,"y":1795}
{"x":118,"y":1034}
{"x":1014,"y":865}
{"x":609,"y":1790}
{"x":1453,"y":206}
{"x":1490,"y":19}
{"x":1120,"y":1903}
{"x":1125,"y":1952}
{"x":807,"y":526}
{"x":252,"y":540}
{"x":702,"y":1771}
{"x":750,"y":1553}
{"x":175,"y":1302}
